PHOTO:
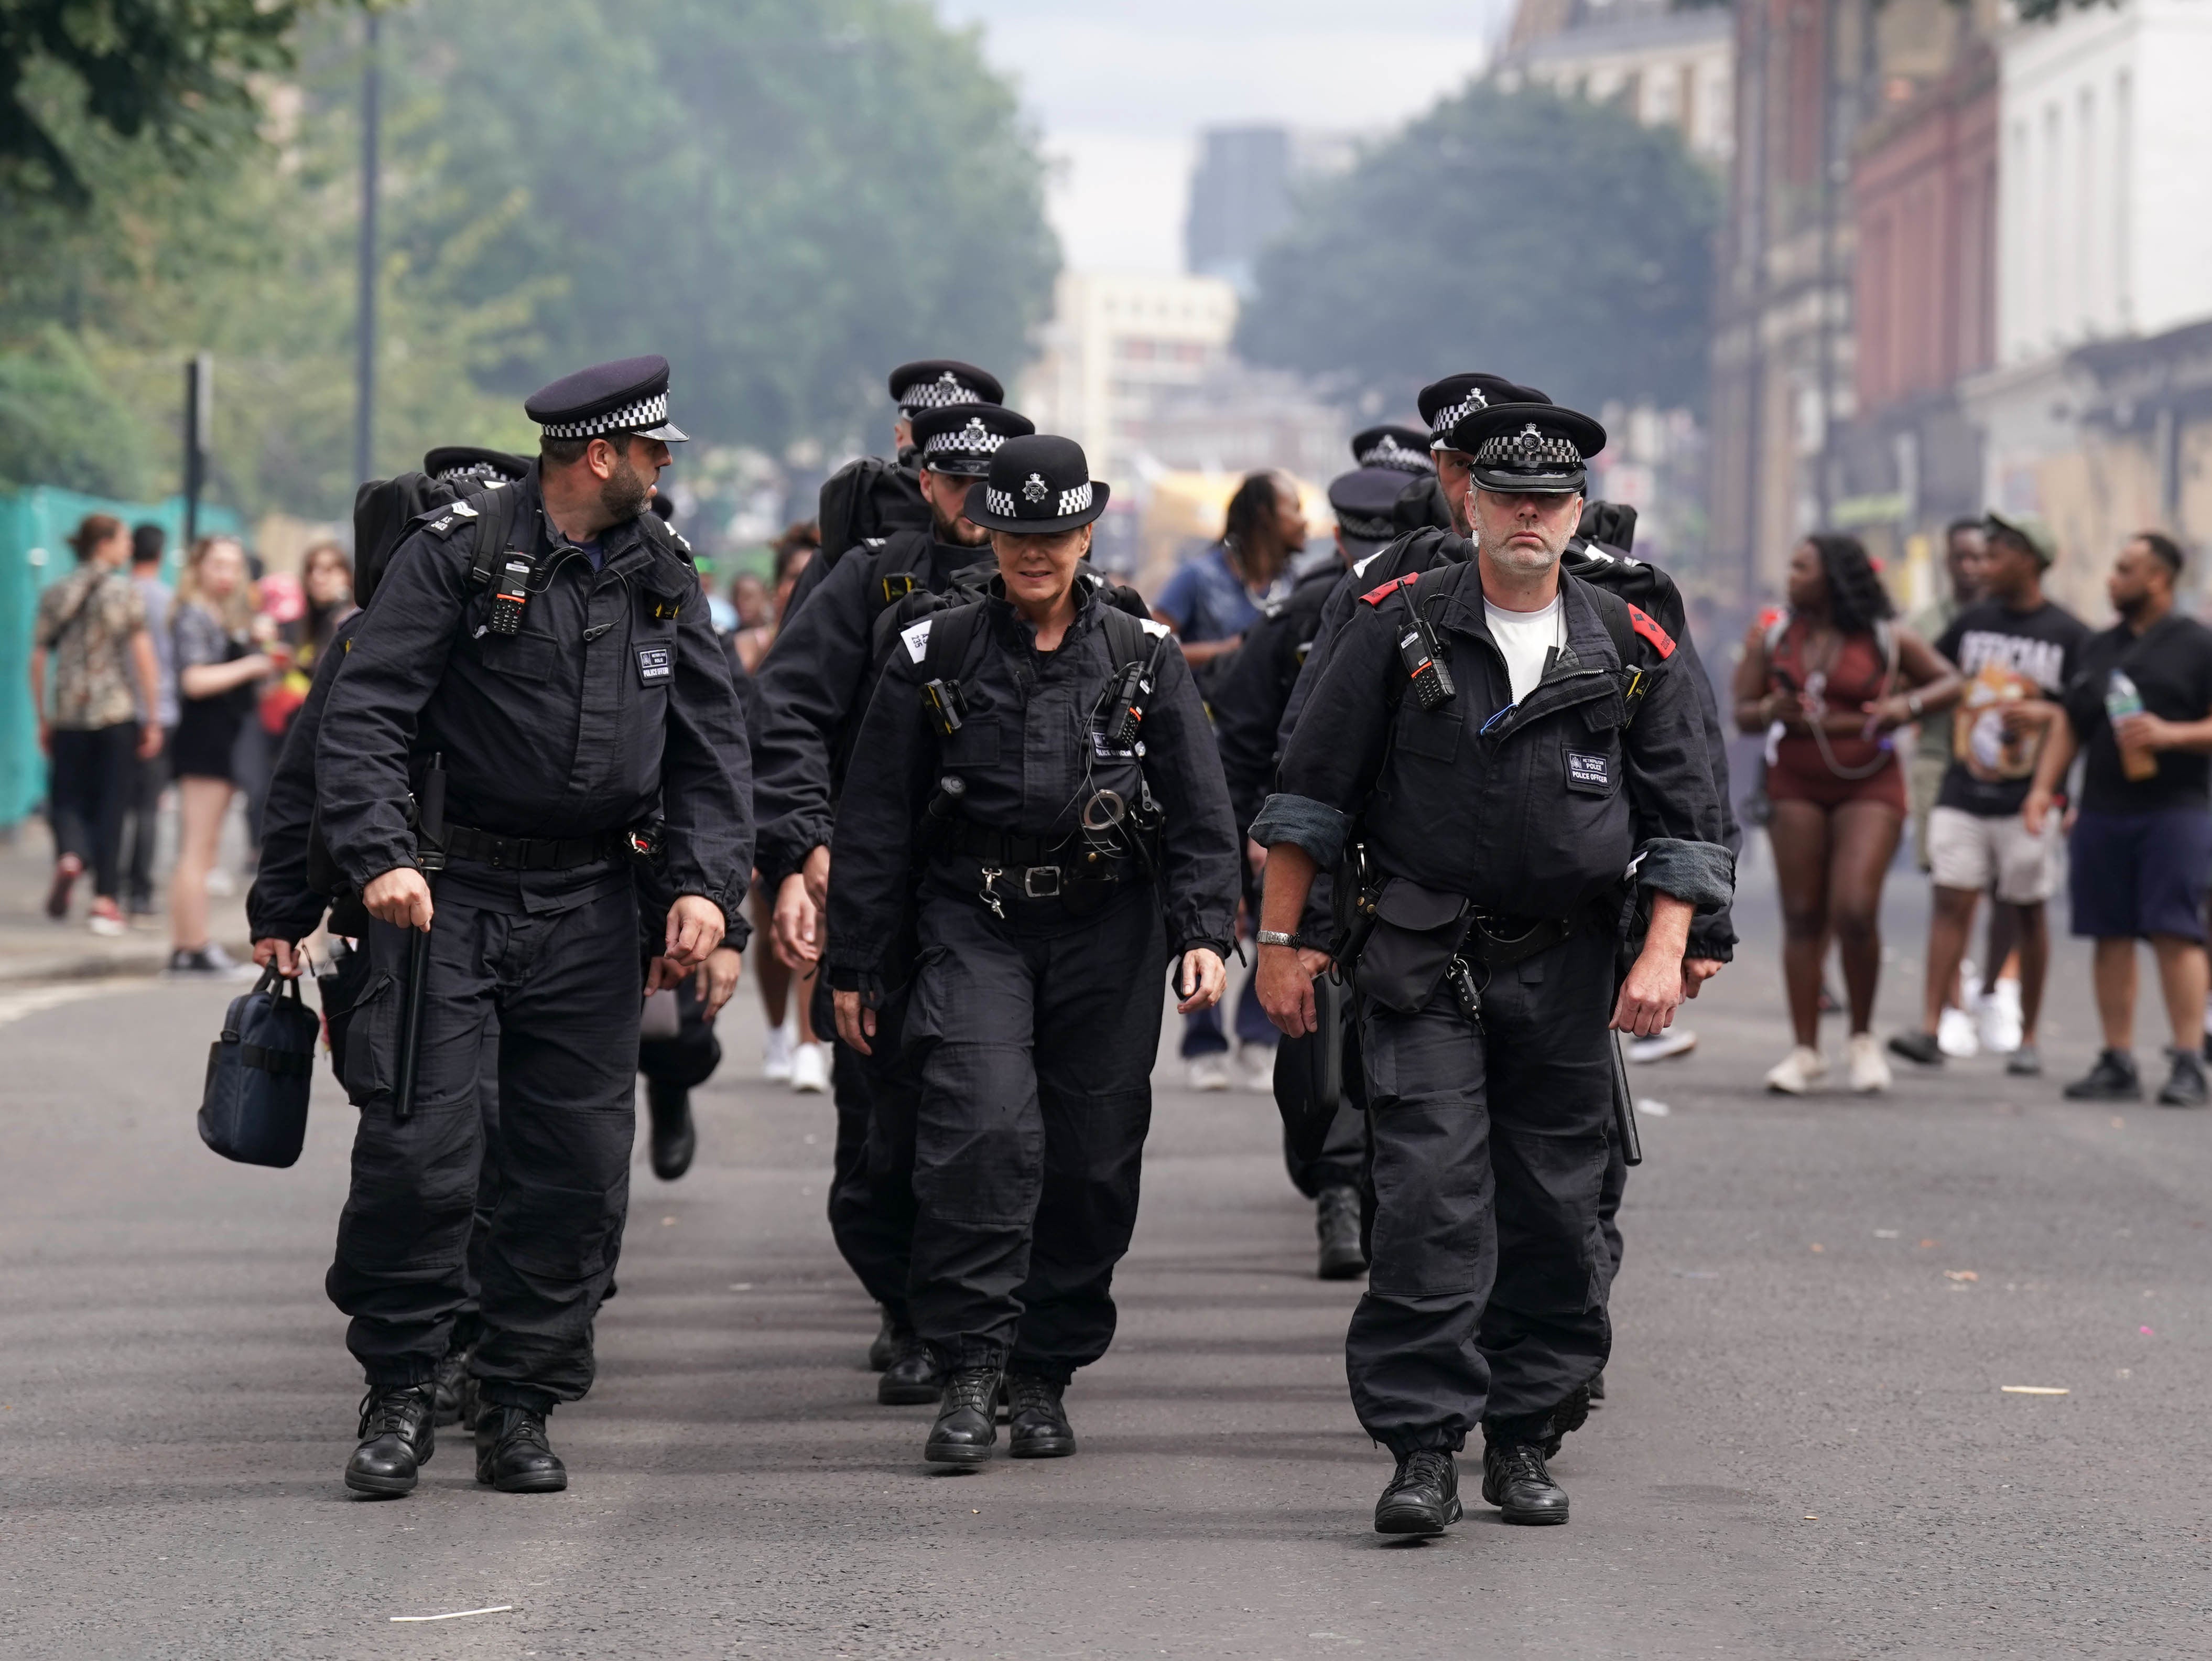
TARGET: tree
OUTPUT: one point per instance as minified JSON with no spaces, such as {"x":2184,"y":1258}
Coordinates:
{"x":1550,"y":239}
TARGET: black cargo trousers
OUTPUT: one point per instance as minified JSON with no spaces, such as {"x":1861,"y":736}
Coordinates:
{"x":872,"y":1169}
{"x":1033,"y":1039}
{"x":554,"y":958}
{"x":1486,"y":1294}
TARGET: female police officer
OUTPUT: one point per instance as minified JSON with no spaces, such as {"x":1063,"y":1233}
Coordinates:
{"x":1007,"y":832}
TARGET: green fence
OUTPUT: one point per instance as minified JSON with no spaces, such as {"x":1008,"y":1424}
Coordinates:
{"x":34,"y":528}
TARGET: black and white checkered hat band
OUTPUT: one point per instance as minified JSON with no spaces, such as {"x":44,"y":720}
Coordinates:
{"x":1528,"y":449}
{"x":1388,"y":452}
{"x":631,"y":418}
{"x":936,"y":395}
{"x":472,"y":470}
{"x":1365,"y":528}
{"x":973,"y":440}
{"x":1450,"y":417}
{"x":1005,"y":504}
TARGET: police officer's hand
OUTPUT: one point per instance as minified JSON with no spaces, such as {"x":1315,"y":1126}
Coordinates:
{"x":695,"y":929}
{"x":1283,"y":979}
{"x":1201,"y":981}
{"x":1696,"y":971}
{"x":718,"y":978}
{"x":401,"y":896}
{"x":1654,"y":986}
{"x":797,"y":924}
{"x":817,"y":873}
{"x":280,"y":952}
{"x":856,"y":1023}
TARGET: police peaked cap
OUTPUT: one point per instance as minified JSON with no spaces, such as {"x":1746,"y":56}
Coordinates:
{"x":1039,"y":485}
{"x":1403,"y":448}
{"x":935,"y":382}
{"x":1531,"y":448}
{"x":630,"y":395}
{"x":961,"y":438}
{"x":1444,"y":402}
{"x":1361,"y":500}
{"x":461,"y":462}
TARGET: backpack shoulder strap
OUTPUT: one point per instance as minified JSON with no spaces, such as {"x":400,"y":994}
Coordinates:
{"x":944,"y":637}
{"x":494,"y":512}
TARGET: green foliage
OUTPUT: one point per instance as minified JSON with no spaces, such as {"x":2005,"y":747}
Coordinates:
{"x":174,"y":71}
{"x":1544,"y":238}
{"x":60,"y":423}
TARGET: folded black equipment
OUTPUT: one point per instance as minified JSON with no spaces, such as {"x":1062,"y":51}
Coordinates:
{"x":1309,"y":1071}
{"x":255,"y":1109}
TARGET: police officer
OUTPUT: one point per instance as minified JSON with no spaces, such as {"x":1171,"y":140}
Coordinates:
{"x":1248,"y":707}
{"x":1505,"y":745}
{"x":1041,"y":760}
{"x":547,"y":650}
{"x":868,"y":499}
{"x":815,"y":686}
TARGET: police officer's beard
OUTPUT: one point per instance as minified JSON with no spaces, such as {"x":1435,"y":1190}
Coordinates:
{"x":959,"y":531}
{"x":624,"y":493}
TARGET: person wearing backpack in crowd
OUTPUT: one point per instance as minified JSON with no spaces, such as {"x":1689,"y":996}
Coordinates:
{"x":870,"y":499}
{"x":815,"y":687}
{"x":1516,"y":764}
{"x":1210,"y":603}
{"x":1005,"y":843}
{"x":548,"y":650}
{"x":1827,"y":683}
{"x":92,"y":671}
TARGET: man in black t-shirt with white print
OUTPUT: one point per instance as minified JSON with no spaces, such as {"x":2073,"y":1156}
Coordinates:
{"x":2016,"y":652}
{"x":2140,"y":707}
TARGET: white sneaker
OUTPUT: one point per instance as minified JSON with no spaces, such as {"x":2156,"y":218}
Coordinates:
{"x":222,"y":883}
{"x":1999,"y":1022}
{"x":776,"y":1054}
{"x":1210,"y":1073}
{"x":1955,"y":1034}
{"x":1798,"y":1072}
{"x":810,"y":1068}
{"x":1675,"y":1041}
{"x":1870,"y":1072}
{"x":1259,"y":1061}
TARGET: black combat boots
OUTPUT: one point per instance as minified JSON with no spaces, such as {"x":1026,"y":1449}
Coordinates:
{"x":1336,"y":1219}
{"x":453,"y":1381}
{"x":1036,"y":1422}
{"x":674,"y":1138}
{"x":513,"y":1454}
{"x":966,"y":1419}
{"x":1422,"y":1498}
{"x":915,"y":1375}
{"x":883,"y":1348}
{"x":1514,"y":1479}
{"x":396,"y":1439}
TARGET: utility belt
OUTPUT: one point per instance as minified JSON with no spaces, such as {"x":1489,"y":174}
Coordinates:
{"x":1405,"y":941}
{"x":1017,"y":870}
{"x":463,"y":842}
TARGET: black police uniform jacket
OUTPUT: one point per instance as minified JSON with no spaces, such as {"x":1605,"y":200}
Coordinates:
{"x":815,"y":684}
{"x":614,"y":700}
{"x":281,"y":905}
{"x":1250,"y":699}
{"x":1025,"y":754}
{"x":1530,"y":811}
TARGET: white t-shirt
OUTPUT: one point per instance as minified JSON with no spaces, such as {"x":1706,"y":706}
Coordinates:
{"x":1525,"y":638}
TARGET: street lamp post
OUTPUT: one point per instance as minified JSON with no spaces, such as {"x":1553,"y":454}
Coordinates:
{"x":365,"y":369}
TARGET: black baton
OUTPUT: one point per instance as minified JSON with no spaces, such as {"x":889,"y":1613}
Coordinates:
{"x":431,"y":854}
{"x":1624,"y":1108}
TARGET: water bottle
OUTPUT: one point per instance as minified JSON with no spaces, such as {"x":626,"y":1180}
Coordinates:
{"x":2121,"y":701}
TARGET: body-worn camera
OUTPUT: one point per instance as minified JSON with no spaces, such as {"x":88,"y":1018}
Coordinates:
{"x":947,"y":705}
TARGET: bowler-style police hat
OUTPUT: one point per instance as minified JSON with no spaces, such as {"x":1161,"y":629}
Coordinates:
{"x":1404,"y":449}
{"x":1038,"y":485}
{"x":1362,"y":501}
{"x":627,"y":396}
{"x":961,"y":439}
{"x":464,"y":463}
{"x":935,"y":382}
{"x":1445,"y":402}
{"x":1529,"y":449}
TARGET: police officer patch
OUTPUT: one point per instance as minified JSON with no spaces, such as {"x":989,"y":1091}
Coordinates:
{"x":1586,"y":772}
{"x":655,"y":663}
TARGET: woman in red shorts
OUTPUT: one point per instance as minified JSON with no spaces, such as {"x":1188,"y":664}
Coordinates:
{"x":1827,"y":682}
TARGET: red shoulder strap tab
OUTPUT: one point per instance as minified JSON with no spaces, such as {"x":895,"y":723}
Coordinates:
{"x":1642,"y":622}
{"x":1377,"y":596}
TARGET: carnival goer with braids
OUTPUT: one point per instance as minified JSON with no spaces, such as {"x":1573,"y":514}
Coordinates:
{"x":1827,"y":680}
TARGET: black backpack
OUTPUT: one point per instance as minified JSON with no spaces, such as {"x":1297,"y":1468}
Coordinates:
{"x":867,"y":501}
{"x":387,"y":511}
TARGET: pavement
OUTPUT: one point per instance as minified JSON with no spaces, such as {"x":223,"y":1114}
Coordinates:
{"x":1808,"y":1449}
{"x":35,"y":948}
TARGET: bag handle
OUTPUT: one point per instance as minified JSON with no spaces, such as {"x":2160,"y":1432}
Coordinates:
{"x":271,"y":980}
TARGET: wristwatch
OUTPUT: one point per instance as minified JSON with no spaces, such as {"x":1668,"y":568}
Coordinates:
{"x":1276,"y":937}
{"x":1912,"y":701}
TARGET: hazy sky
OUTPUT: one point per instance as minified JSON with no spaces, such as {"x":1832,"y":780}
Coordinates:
{"x":1120,"y":87}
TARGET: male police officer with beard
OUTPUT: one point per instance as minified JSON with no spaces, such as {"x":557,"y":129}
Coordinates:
{"x":547,"y":648}
{"x":815,"y":686}
{"x":1042,"y":760}
{"x":1504,"y":747}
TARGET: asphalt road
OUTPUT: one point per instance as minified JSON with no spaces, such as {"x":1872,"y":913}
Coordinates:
{"x":1807,"y":1451}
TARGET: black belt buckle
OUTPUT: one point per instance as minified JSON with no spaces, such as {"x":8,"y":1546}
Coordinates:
{"x":1031,"y":888}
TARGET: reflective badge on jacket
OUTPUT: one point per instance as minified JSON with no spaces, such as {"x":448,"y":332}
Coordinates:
{"x":1587,"y":772}
{"x":655,"y":663}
